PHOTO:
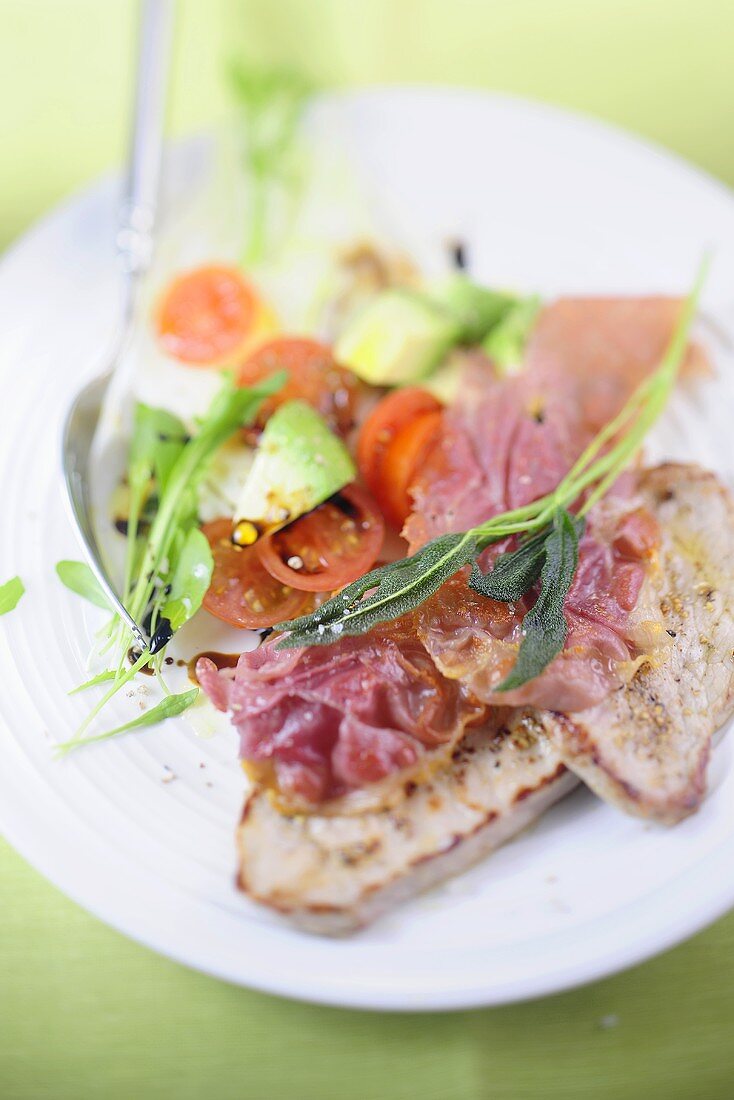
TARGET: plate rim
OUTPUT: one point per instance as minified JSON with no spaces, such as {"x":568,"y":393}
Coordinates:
{"x":634,"y":951}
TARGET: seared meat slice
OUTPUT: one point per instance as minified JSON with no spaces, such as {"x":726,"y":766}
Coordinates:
{"x":646,"y":746}
{"x":333,"y":874}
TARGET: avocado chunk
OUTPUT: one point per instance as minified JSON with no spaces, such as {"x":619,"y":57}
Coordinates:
{"x":399,"y":337}
{"x":445,"y":382}
{"x":506,"y":343}
{"x":298,"y":464}
{"x":475,"y":308}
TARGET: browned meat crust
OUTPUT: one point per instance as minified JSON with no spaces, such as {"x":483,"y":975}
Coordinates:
{"x":334,"y":874}
{"x":646,"y":747}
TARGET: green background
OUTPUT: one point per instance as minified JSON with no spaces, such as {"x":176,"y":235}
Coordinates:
{"x":86,"y":1013}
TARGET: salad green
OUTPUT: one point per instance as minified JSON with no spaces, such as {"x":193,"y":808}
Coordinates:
{"x":169,"y":707}
{"x":79,"y":578}
{"x":10,"y":594}
{"x":169,"y":566}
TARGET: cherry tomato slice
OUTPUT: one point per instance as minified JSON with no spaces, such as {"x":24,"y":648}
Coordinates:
{"x":210,"y":314}
{"x":242,"y":592}
{"x":314,"y":376}
{"x":382,"y":425}
{"x":328,"y":547}
{"x":402,"y":462}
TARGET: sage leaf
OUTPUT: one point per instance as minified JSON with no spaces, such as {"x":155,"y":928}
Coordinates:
{"x":10,"y":594}
{"x":544,"y":626}
{"x":514,"y":573}
{"x":385,"y":593}
{"x":79,"y":578}
{"x":169,"y":707}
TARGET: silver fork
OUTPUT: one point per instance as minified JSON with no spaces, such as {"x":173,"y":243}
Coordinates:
{"x":134,"y":246}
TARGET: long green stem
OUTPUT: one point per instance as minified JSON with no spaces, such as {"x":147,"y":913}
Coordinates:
{"x":142,"y":660}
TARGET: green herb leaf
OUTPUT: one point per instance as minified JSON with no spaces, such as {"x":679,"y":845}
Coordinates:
{"x":505,"y":344}
{"x":78,"y":577}
{"x":157,"y":440}
{"x":232,"y":407}
{"x":544,"y":626}
{"x":168,"y":707}
{"x":513,"y":573}
{"x":100,"y":678}
{"x":173,"y":552}
{"x":10,"y":594}
{"x":191,"y":578}
{"x":383,"y":594}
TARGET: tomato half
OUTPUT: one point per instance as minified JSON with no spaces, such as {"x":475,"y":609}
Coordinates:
{"x":394,"y":442}
{"x":329,"y":547}
{"x":242,"y":592}
{"x":382,"y":425}
{"x":210,"y":315}
{"x":403,"y":461}
{"x":314,"y":376}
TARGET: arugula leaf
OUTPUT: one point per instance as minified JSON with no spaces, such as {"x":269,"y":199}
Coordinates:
{"x":505,"y":344}
{"x":168,"y":707}
{"x":383,"y":594}
{"x":100,"y":678}
{"x":78,"y":577}
{"x":191,"y":578}
{"x":232,"y":407}
{"x":513,"y":573}
{"x":544,"y":626}
{"x":173,"y":562}
{"x":157,"y":440}
{"x":10,"y":594}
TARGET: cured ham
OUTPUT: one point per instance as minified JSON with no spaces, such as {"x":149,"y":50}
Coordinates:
{"x":507,"y":442}
{"x":330,"y":719}
{"x":510,"y":441}
{"x":475,"y":640}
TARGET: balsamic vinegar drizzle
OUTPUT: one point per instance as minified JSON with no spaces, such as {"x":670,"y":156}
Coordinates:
{"x":221,"y":660}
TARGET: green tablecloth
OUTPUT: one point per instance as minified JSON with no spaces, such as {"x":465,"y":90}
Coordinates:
{"x":86,"y":1013}
{"x":83,"y":1011}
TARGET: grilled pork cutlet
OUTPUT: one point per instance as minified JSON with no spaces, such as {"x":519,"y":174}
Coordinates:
{"x":335,"y":873}
{"x":645,"y":748}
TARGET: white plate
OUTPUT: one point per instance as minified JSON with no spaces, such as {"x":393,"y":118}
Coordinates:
{"x":546,"y":200}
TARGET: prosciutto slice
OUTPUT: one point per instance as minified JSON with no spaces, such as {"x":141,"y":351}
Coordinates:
{"x":331,"y":719}
{"x":475,"y":640}
{"x":507,"y":442}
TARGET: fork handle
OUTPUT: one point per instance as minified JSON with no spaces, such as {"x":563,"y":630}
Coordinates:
{"x":138,"y":211}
